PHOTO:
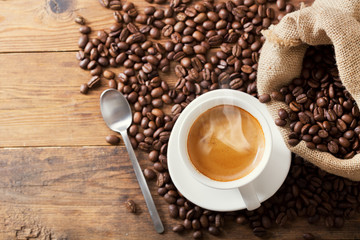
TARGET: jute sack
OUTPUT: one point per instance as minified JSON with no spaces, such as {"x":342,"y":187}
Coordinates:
{"x":326,"y":22}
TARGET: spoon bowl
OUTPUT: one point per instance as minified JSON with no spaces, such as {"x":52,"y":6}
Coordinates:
{"x":116,"y":112}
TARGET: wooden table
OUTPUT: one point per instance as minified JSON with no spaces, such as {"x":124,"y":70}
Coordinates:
{"x":58,"y":177}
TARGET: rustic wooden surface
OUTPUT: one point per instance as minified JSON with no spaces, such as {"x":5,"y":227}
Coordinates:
{"x":58,"y":177}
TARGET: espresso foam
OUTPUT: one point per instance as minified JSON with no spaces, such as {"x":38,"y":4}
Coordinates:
{"x":227,"y":130}
{"x":225,"y":143}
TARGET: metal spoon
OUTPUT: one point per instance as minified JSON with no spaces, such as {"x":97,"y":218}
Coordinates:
{"x":117,"y":114}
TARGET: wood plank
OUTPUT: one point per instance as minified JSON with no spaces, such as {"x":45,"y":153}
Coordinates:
{"x":35,"y":26}
{"x":40,"y":103}
{"x":48,"y":25}
{"x":79,"y":193}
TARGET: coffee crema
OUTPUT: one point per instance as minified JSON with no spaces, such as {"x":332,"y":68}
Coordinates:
{"x":225,"y":143}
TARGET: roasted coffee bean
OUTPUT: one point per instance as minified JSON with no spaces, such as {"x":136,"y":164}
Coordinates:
{"x":280,"y":122}
{"x":219,"y":220}
{"x":178,"y":228}
{"x":197,"y":234}
{"x":149,"y":174}
{"x":333,"y":147}
{"x":187,"y":224}
{"x":79,"y":20}
{"x":304,"y":118}
{"x":85,"y":29}
{"x":112,"y":84}
{"x":195,"y":224}
{"x":162,"y":191}
{"x":130,"y":206}
{"x":108,"y":74}
{"x":115,"y":5}
{"x":204,"y":221}
{"x":282,"y":113}
{"x":344,"y":142}
{"x":112,"y":139}
{"x":266,"y":222}
{"x":83,"y":40}
{"x":153,"y":156}
{"x":277,"y":96}
{"x":293,"y":142}
{"x":264,"y":98}
{"x":84,"y":88}
{"x":289,"y":8}
{"x":281,"y":219}
{"x":94,"y":81}
{"x":160,"y":180}
{"x":323,"y":134}
{"x":173,"y":211}
{"x":182,"y":213}
{"x":190,"y":214}
{"x":302,"y":98}
{"x":294,"y":106}
{"x":214,"y":230}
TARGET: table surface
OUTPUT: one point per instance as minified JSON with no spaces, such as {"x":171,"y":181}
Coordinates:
{"x":58,"y":177}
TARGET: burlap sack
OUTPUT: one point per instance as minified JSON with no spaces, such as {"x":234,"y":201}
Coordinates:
{"x":325,"y":22}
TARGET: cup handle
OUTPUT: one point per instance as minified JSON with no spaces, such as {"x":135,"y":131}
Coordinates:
{"x":249,"y":196}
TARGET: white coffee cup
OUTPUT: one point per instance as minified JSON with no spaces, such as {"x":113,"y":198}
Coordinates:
{"x":244,"y":184}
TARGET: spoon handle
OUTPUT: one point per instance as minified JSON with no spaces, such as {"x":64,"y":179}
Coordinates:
{"x":143,"y":185}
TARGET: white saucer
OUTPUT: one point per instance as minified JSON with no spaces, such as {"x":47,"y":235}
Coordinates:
{"x":265,"y":185}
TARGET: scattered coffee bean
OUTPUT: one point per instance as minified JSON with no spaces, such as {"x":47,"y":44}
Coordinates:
{"x":178,"y":228}
{"x":80,"y":20}
{"x":213,"y":230}
{"x":112,"y":139}
{"x":84,"y":88}
{"x":130,"y":206}
{"x":197,"y":234}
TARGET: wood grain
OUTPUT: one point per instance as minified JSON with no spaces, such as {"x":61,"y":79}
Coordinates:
{"x":79,"y":193}
{"x":40,"y":103}
{"x":34,"y":25}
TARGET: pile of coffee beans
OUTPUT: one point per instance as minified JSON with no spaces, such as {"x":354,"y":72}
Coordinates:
{"x":213,"y":45}
{"x":307,"y":192}
{"x":322,"y":112}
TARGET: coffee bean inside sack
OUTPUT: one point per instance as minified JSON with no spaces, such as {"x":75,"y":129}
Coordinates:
{"x":321,"y":111}
{"x":210,"y":45}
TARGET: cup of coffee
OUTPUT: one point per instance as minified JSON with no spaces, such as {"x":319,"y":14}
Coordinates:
{"x":225,"y":143}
